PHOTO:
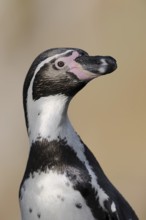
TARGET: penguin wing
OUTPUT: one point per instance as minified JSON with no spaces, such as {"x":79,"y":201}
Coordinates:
{"x":115,"y":207}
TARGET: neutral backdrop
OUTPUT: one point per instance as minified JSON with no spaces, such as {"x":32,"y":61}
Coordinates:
{"x":109,"y":114}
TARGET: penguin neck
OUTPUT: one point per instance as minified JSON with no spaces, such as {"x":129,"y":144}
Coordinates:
{"x":47,"y":118}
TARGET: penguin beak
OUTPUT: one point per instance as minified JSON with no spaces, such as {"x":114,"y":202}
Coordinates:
{"x":90,"y":67}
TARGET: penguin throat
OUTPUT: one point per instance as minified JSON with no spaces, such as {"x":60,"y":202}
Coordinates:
{"x":47,"y":117}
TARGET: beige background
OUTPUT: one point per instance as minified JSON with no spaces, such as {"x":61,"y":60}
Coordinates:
{"x":109,"y":114}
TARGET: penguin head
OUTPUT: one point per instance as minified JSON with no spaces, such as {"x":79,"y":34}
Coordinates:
{"x":65,"y":71}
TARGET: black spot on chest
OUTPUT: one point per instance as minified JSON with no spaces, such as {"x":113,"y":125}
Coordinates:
{"x":30,"y":210}
{"x":78,"y":205}
{"x":39,"y":215}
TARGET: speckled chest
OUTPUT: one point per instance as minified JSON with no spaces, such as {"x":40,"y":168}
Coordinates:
{"x":51,"y":196}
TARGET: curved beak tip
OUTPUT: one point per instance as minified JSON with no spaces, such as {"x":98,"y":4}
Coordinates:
{"x":108,"y":65}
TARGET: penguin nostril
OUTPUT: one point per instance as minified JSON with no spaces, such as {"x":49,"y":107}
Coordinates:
{"x":99,"y":62}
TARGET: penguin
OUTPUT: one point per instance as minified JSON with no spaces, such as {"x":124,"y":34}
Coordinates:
{"x":63,"y":180}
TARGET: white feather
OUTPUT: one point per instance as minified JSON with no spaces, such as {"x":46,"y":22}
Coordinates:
{"x":51,"y":195}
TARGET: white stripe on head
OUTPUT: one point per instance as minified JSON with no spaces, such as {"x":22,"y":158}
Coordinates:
{"x":47,"y":60}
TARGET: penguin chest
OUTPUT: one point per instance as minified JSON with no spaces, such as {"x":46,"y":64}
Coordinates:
{"x":51,"y":196}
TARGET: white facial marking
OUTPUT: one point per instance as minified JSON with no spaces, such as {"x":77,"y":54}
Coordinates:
{"x":47,"y":60}
{"x":103,"y":67}
{"x":52,"y":196}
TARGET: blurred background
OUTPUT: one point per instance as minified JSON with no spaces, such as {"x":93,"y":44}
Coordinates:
{"x":109,"y":114}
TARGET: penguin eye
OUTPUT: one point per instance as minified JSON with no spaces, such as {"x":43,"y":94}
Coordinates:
{"x":60,"y":64}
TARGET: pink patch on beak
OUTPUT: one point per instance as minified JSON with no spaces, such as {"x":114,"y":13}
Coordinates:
{"x":82,"y":73}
